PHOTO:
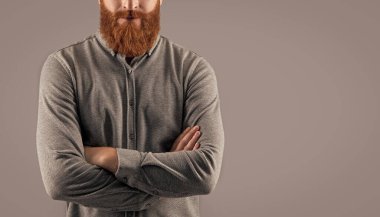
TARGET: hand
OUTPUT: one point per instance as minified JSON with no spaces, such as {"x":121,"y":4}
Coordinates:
{"x":187,"y":140}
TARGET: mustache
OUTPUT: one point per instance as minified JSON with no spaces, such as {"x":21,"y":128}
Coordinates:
{"x":129,"y":14}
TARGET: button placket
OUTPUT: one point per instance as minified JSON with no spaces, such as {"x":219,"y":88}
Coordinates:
{"x":130,"y":101}
{"x":131,"y":136}
{"x":131,"y":98}
{"x":131,"y":113}
{"x":126,"y":69}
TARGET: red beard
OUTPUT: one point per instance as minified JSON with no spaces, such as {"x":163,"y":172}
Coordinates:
{"x":127,"y":38}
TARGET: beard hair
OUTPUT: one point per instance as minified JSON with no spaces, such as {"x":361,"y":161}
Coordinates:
{"x":127,"y":38}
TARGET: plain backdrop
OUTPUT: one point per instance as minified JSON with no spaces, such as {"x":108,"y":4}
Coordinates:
{"x":300,"y":100}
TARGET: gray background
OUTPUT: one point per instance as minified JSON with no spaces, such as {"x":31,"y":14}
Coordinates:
{"x":300,"y":95}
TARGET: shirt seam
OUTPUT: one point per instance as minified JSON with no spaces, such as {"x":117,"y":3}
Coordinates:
{"x":77,"y":43}
{"x":69,"y":72}
{"x":191,"y":74}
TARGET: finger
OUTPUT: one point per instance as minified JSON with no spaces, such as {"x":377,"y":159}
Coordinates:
{"x":174,"y":147}
{"x":182,"y":134}
{"x":196,"y":146}
{"x":185,"y":140}
{"x":184,"y":137}
{"x":193,"y":140}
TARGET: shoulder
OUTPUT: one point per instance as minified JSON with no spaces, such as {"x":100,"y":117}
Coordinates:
{"x":78,"y":45}
{"x":197,"y":71}
{"x":171,"y":44}
{"x":75,"y":53}
{"x":75,"y":49}
{"x":194,"y":60}
{"x":61,"y":61}
{"x":179,"y":50}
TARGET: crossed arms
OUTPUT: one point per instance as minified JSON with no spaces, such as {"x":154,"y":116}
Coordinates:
{"x":106,"y":157}
{"x":140,"y":178}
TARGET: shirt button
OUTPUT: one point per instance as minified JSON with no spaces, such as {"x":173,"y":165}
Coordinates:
{"x":131,"y":136}
{"x":131,"y":102}
{"x":130,"y":70}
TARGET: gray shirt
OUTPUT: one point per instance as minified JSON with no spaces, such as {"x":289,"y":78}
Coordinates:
{"x":89,"y":95}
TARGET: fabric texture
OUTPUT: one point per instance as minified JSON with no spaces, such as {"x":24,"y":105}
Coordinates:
{"x":89,"y":95}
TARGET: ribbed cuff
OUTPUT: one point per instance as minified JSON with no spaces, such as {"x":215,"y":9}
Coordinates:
{"x":129,"y":161}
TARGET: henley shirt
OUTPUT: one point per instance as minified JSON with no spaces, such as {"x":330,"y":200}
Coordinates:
{"x":89,"y":95}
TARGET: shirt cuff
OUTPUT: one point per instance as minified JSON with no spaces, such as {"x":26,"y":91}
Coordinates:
{"x":129,"y":161}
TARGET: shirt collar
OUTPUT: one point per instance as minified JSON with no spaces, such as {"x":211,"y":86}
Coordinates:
{"x":100,"y":38}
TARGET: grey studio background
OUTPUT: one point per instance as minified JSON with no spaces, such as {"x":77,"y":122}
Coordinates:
{"x":300,"y":96}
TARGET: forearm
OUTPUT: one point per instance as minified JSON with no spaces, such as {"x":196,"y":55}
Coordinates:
{"x":170,"y":174}
{"x":183,"y":173}
{"x":161,"y":179}
{"x":70,"y":178}
{"x":65,"y":173}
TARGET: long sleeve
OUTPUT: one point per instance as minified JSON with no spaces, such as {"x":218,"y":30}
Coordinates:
{"x":65,"y":173}
{"x":183,"y":173}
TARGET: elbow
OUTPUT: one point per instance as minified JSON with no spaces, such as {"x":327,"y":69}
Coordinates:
{"x":54,"y":188}
{"x":211,"y":174}
{"x":209,"y":182}
{"x":55,"y":192}
{"x":209,"y":185}
{"x":52,"y":194}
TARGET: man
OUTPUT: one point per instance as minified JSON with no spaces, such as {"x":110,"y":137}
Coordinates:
{"x":120,"y":117}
